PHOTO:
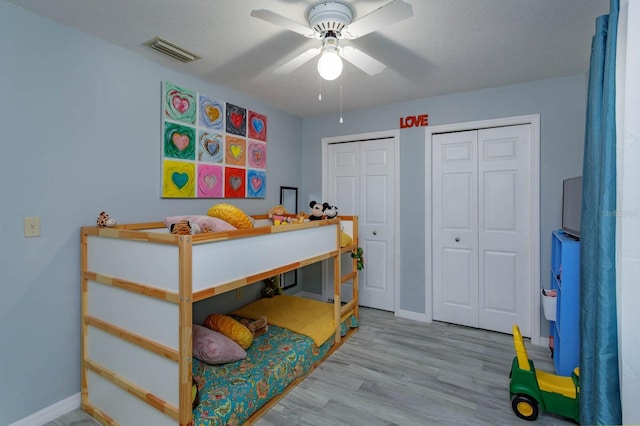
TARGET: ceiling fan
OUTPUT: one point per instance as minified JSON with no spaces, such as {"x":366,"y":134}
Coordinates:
{"x":331,"y":21}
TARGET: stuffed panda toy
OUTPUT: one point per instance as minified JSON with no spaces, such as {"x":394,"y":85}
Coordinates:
{"x":316,"y":211}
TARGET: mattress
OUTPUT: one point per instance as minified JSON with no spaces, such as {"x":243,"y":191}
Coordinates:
{"x":305,"y":316}
{"x":231,"y":393}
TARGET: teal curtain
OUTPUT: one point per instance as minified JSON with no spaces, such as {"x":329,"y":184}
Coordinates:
{"x":599,"y":378}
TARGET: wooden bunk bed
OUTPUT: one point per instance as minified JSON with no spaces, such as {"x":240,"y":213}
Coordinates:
{"x":139,"y":283}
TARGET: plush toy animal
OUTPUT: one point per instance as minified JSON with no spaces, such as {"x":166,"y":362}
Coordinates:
{"x":105,"y":220}
{"x":181,"y":228}
{"x":271,"y":287}
{"x":331,"y":212}
{"x":257,"y":327}
{"x":184,"y":227}
{"x":316,"y":211}
{"x":358,"y":254}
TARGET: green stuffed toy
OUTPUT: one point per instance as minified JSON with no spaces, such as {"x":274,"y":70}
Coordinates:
{"x":359,"y":255}
{"x":272,"y":287}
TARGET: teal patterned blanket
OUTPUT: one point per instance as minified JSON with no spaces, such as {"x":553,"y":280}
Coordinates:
{"x":231,"y":393}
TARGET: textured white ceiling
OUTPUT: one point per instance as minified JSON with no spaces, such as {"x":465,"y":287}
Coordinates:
{"x":447,"y":46}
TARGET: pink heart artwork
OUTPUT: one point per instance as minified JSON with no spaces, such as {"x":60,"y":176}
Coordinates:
{"x":180,"y":141}
{"x":256,"y":183}
{"x":257,"y":155}
{"x":180,"y":104}
{"x":210,"y":180}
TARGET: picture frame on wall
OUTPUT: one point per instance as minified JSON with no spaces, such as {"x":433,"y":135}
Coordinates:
{"x":211,"y":148}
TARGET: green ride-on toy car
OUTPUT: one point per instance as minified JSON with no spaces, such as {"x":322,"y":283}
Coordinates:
{"x":531,"y":390}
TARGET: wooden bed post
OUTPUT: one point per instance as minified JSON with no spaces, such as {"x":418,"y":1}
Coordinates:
{"x":84,"y":390}
{"x":354,"y":266}
{"x":337,"y":285}
{"x":185,"y":414}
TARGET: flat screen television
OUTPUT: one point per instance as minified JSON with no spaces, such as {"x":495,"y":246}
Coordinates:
{"x":572,"y":206}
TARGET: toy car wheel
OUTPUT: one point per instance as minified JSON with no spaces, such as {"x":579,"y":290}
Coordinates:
{"x":525,"y":407}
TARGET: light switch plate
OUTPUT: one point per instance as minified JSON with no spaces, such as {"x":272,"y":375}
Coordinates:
{"x":31,"y":226}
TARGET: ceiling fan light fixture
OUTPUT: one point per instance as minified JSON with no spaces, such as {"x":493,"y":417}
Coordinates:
{"x":330,"y":65}
{"x":330,"y":21}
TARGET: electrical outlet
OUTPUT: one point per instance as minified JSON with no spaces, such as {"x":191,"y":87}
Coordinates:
{"x":32,"y":226}
{"x":238,"y":293}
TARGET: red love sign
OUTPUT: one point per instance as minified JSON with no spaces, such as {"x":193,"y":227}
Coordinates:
{"x":414,"y":121}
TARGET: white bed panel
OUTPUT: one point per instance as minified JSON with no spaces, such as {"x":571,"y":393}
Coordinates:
{"x":151,"y":371}
{"x":123,"y":407}
{"x":262,"y":222}
{"x":146,"y":316}
{"x":149,"y":263}
{"x":225,"y":261}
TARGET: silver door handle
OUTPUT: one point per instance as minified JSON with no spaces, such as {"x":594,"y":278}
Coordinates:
{"x":457,"y":239}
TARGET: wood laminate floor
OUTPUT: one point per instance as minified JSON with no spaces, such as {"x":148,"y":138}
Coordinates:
{"x":401,"y":372}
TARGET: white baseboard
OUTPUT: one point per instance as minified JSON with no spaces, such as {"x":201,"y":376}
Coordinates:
{"x":51,"y":412}
{"x":544,"y":341}
{"x":410,"y":315}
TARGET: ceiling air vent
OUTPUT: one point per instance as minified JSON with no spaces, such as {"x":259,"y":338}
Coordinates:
{"x":171,"y":49}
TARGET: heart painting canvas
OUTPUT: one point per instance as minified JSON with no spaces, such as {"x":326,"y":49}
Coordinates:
{"x":211,"y":148}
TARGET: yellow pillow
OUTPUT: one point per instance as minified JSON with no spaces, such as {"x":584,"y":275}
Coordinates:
{"x":231,"y":328}
{"x":231,"y":214}
{"x":345,"y":239}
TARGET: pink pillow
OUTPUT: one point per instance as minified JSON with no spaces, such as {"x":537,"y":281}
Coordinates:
{"x":204,"y":222}
{"x":215,"y":348}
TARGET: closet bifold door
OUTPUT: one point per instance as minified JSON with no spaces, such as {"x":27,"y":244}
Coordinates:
{"x":455,"y":228}
{"x":480,"y":224}
{"x":504,"y":217}
{"x":361,"y":181}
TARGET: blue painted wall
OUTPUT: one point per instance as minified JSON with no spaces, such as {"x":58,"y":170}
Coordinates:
{"x":81,"y":133}
{"x":561,"y":105}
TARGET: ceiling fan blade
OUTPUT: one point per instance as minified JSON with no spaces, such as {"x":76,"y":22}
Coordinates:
{"x":296,"y":62}
{"x":361,"y":60}
{"x":390,"y":13}
{"x":283,"y":21}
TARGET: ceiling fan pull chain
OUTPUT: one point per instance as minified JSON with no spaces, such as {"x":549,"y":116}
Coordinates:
{"x":319,"y":87}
